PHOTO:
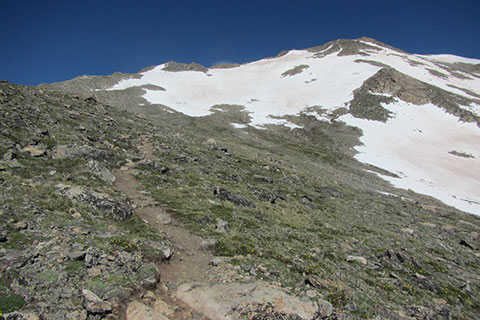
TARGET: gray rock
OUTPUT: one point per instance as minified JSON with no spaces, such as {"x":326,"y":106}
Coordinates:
{"x":94,"y":304}
{"x":358,"y":259}
{"x":99,"y":200}
{"x":226,"y":195}
{"x":20,"y":225}
{"x":216,"y":261}
{"x":77,"y":255}
{"x":101,"y":171}
{"x":325,"y":308}
{"x":148,"y":275}
{"x":221,"y":226}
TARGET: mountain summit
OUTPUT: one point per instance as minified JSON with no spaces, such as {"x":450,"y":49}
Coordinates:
{"x":419,"y":114}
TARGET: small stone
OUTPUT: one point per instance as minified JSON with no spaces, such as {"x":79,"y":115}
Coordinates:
{"x":221,"y":225}
{"x":466,"y":288}
{"x":93,"y":272}
{"x":208,"y":243}
{"x":428,"y":224}
{"x":419,"y":276}
{"x":358,"y":259}
{"x":216,"y":261}
{"x":167,"y":251}
{"x":262,"y":269}
{"x":76,"y":215}
{"x":20,"y":225}
{"x":76,"y":255}
{"x":33,"y":151}
{"x":394,"y":275}
{"x":94,"y":304}
{"x":408,"y":231}
{"x":325,"y":308}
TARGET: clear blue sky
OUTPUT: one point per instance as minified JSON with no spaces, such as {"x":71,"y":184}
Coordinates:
{"x":46,"y":41}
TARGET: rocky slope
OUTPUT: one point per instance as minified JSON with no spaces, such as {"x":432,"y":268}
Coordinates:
{"x":264,"y":221}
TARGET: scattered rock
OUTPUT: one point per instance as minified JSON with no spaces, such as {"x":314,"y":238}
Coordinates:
{"x":307,"y":201}
{"x":34,"y":151}
{"x":325,"y":308}
{"x":216,"y":261}
{"x":358,"y":259}
{"x":208,"y":243}
{"x":93,"y":272}
{"x":148,"y":275}
{"x":20,"y":225}
{"x":77,"y":255}
{"x":428,"y":224}
{"x":94,"y":304}
{"x":408,"y":231}
{"x":98,"y":200}
{"x":225,"y":195}
{"x":317,"y":282}
{"x":212,"y":144}
{"x":221,"y":226}
{"x":263,"y":178}
{"x":100,"y":171}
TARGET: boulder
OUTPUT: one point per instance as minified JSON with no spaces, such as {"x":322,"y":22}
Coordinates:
{"x":94,"y":304}
{"x":138,"y":311}
{"x":255,"y":300}
{"x":100,"y":171}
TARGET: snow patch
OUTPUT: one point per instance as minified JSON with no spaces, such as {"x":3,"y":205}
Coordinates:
{"x":414,"y":144}
{"x":239,"y":125}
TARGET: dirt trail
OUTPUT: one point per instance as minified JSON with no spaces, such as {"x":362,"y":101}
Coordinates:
{"x":190,"y":261}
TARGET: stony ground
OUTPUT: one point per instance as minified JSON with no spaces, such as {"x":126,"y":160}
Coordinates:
{"x":107,"y":215}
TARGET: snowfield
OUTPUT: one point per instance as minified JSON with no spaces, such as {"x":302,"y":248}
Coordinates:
{"x":431,"y":151}
{"x":416,"y":145}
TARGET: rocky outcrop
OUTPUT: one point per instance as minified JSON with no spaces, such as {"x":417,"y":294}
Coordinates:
{"x":398,"y":85}
{"x":83,"y":152}
{"x":255,"y":300}
{"x":226,"y":195}
{"x":173,"y":66}
{"x":98,"y":200}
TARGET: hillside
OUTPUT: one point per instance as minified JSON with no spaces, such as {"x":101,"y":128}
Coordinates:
{"x":267,"y":178}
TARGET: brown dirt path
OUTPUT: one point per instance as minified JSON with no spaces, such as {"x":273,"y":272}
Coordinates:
{"x":190,"y":261}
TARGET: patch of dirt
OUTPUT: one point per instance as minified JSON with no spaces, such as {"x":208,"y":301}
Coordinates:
{"x":190,"y":261}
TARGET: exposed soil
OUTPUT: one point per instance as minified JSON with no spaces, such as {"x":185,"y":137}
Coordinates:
{"x":190,"y":261}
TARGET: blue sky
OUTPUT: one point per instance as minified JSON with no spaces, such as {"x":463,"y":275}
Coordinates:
{"x":47,"y":41}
